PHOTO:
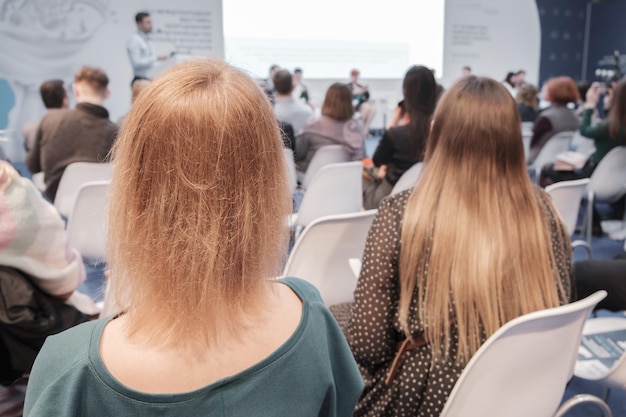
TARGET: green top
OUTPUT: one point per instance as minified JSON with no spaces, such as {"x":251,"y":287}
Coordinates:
{"x":600,"y":135}
{"x":312,"y":374}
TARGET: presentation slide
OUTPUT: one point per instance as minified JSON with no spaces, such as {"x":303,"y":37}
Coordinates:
{"x":41,"y":40}
{"x":328,"y":38}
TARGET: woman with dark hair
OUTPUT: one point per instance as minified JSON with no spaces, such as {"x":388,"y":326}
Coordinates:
{"x":447,"y":263}
{"x":335,"y":126}
{"x":558,"y":117}
{"x":403,"y":146}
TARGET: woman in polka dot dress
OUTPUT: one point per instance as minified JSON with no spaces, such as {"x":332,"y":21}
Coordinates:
{"x":473,"y":246}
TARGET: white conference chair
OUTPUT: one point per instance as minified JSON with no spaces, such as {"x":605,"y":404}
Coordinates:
{"x":566,"y":197}
{"x":557,"y":144}
{"x":39,"y":181}
{"x":321,"y":254}
{"x":329,"y":154}
{"x":86,"y":226}
{"x":292,"y":177}
{"x":608,"y":183}
{"x":75,"y":175}
{"x":408,"y":179}
{"x":523,"y":368}
{"x":335,"y":189}
{"x":601,"y":357}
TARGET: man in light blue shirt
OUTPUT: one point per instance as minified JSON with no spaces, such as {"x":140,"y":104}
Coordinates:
{"x":140,"y":50}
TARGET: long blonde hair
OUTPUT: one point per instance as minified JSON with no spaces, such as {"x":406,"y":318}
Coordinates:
{"x":199,"y":200}
{"x":475,"y":248}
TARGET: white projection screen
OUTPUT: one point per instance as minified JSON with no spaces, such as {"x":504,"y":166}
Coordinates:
{"x":327,"y":38}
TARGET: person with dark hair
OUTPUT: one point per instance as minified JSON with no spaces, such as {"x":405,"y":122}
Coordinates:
{"x":466,"y":70}
{"x":403,"y":146}
{"x":558,"y":117}
{"x":336,"y":126}
{"x":287,"y":108}
{"x":83,"y":134}
{"x":54,"y":96}
{"x":139,"y":47}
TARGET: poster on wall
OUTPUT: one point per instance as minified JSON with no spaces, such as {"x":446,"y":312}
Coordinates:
{"x":491,"y":37}
{"x":46,"y":39}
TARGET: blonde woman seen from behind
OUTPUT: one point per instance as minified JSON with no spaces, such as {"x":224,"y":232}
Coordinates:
{"x":196,"y":233}
{"x":446,"y":264}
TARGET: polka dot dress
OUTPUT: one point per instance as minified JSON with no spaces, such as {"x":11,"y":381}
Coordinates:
{"x":418,"y":389}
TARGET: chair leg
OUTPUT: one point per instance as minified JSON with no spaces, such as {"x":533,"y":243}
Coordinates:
{"x":589,"y":217}
{"x":581,"y":399}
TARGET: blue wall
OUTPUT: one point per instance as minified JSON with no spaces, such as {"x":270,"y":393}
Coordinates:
{"x":608,"y":34}
{"x":562,"y":37}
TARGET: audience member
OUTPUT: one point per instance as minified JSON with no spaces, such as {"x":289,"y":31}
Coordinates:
{"x":527,"y":102}
{"x":268,"y":84}
{"x":336,"y":126}
{"x":509,"y":83}
{"x":558,"y":117}
{"x":471,"y":247}
{"x":466,"y":70}
{"x":196,"y":236}
{"x":403,"y":146}
{"x":83,"y":134}
{"x":594,"y":275}
{"x":287,"y":108}
{"x":140,"y":49}
{"x":360,"y":100}
{"x":300,"y":91}
{"x":606,"y":135}
{"x":54,"y":96}
{"x":34,"y":251}
{"x":288,"y":135}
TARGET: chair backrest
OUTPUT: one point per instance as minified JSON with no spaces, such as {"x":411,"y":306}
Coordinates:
{"x":292,"y":177}
{"x":408,"y":179}
{"x":329,"y":154}
{"x":86,"y":227}
{"x":523,"y":368}
{"x":566,"y":197}
{"x":583,"y":144}
{"x":608,"y":181}
{"x":557,"y":144}
{"x":75,"y":175}
{"x":321,"y":254}
{"x":335,"y":189}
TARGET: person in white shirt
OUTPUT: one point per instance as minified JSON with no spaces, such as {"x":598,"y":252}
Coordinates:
{"x":139,"y":47}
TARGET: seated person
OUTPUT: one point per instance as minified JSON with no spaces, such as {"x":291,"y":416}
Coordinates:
{"x":428,"y":295}
{"x":403,"y":146}
{"x":196,"y":236}
{"x":606,"y":135}
{"x":336,"y":126}
{"x":608,"y":275}
{"x":54,"y":96}
{"x":83,"y":134}
{"x":34,"y":251}
{"x":287,"y":108}
{"x":527,"y":102}
{"x":558,"y":117}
